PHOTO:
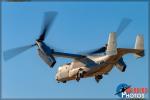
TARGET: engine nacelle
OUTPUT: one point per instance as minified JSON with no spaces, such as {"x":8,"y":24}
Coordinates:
{"x":50,"y":60}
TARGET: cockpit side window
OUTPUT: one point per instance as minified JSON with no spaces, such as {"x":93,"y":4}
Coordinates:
{"x":68,"y":63}
{"x":101,"y":62}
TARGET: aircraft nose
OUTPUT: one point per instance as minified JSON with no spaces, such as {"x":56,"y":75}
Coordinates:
{"x":56,"y":77}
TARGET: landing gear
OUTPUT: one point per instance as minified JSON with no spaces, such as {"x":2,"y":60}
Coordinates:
{"x":77,"y":78}
{"x":98,"y":78}
{"x":106,"y":73}
{"x":80,"y":74}
{"x":64,"y":81}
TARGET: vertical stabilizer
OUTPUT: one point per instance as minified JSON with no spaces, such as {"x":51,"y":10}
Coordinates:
{"x":139,"y":45}
{"x":112,"y":44}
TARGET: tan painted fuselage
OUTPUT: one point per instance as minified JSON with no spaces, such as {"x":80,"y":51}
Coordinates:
{"x":102,"y":65}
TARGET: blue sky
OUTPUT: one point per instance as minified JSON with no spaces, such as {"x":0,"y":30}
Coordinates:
{"x":79,"y":26}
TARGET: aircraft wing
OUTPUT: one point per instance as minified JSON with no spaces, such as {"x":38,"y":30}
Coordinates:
{"x":84,"y":59}
{"x":81,"y":58}
{"x":68,"y":55}
{"x":88,"y":62}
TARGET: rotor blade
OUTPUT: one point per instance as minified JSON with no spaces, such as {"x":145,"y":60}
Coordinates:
{"x":48,"y":20}
{"x":99,"y":50}
{"x":95,"y":51}
{"x":123,"y":24}
{"x":15,"y":51}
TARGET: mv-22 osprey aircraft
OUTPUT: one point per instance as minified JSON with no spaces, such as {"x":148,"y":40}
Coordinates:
{"x":84,"y":65}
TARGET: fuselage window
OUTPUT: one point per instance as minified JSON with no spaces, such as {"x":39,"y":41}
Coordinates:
{"x":101,"y":62}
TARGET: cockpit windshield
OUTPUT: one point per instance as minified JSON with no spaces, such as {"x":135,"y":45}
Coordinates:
{"x":59,"y":68}
{"x":68,"y":63}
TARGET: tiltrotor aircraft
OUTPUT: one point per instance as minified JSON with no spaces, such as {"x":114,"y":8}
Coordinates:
{"x":92,"y":64}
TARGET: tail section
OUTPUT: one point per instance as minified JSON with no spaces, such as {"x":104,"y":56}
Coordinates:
{"x":112,"y":44}
{"x":139,"y":45}
{"x":138,"y":51}
{"x":112,"y":49}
